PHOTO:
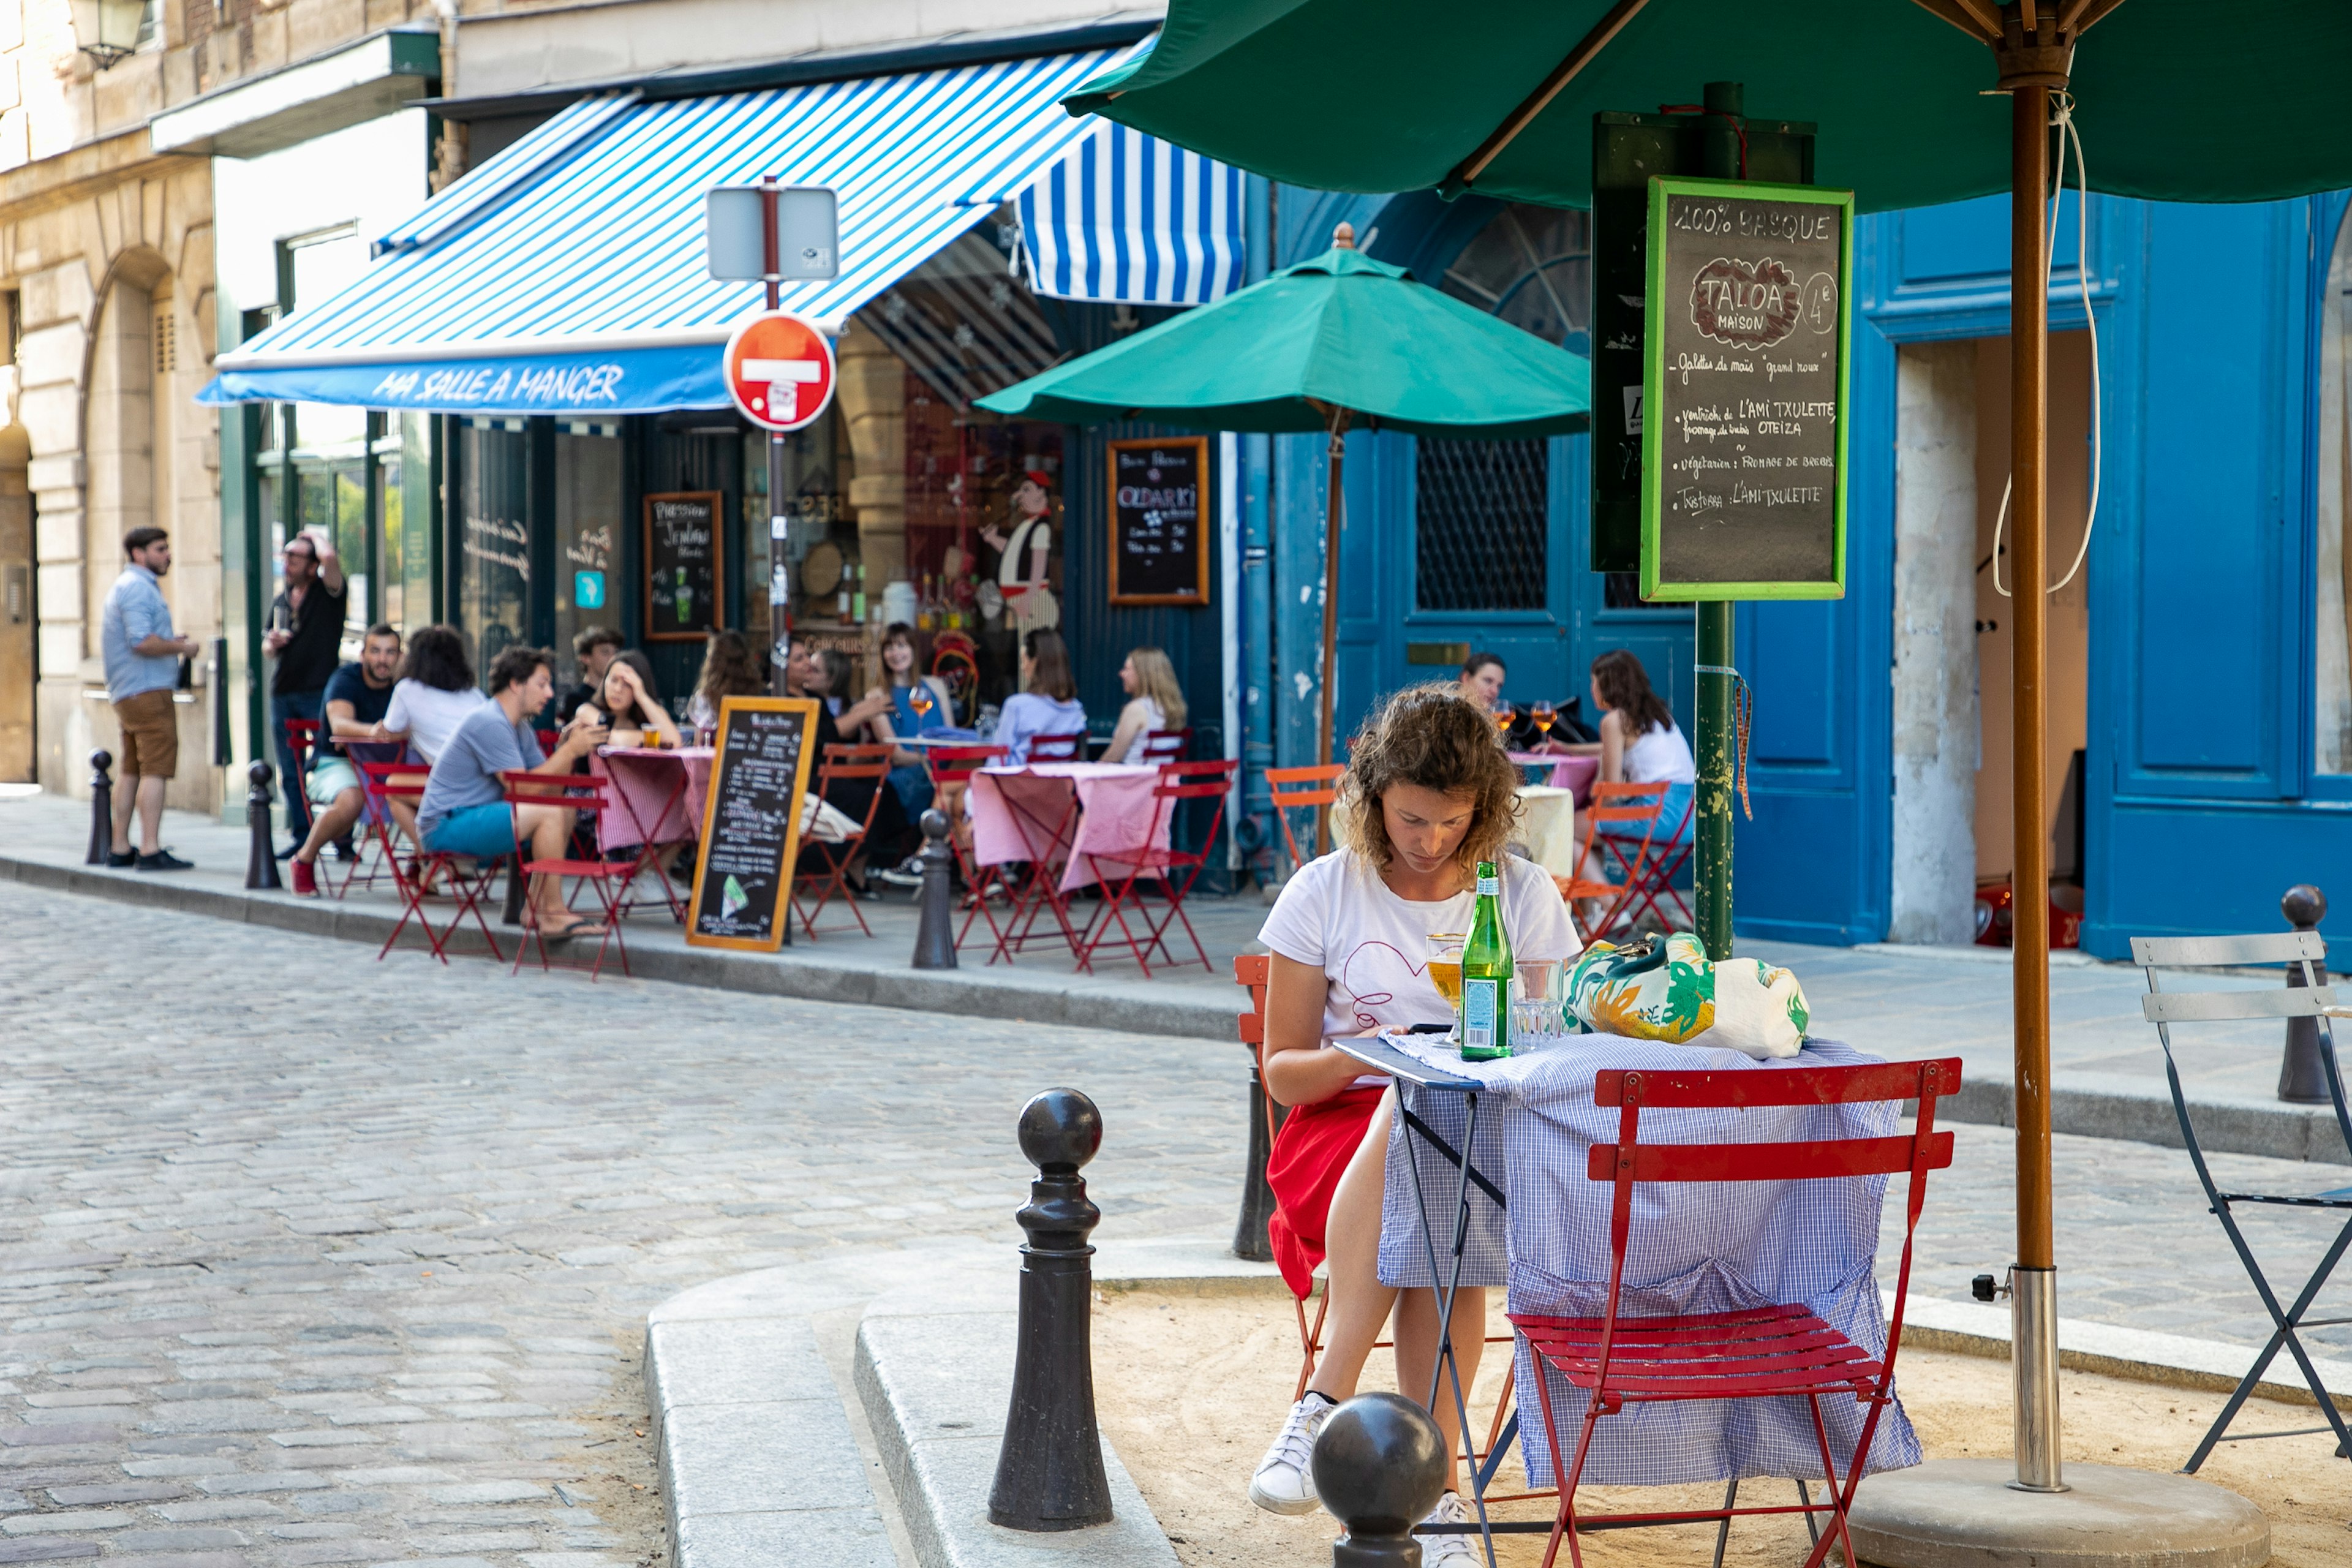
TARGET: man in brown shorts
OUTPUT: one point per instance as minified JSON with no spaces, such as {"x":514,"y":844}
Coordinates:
{"x":143,"y":667}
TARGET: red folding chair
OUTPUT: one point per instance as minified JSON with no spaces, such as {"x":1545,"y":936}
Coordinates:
{"x":302,"y":740}
{"x":840,"y":762}
{"x":1166,"y":745}
{"x":1628,"y":808}
{"x":571,"y":792}
{"x":1292,"y":788}
{"x":1069,"y":748}
{"x":411,"y":877}
{"x":1650,"y":876}
{"x":1177,"y":781}
{"x":954,"y":766}
{"x":377,"y":852}
{"x":1780,"y":1351}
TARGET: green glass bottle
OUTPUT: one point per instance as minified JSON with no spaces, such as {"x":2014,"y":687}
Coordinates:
{"x":1486,"y":974}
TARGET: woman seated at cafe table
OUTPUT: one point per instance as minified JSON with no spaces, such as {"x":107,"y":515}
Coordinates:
{"x":625,"y":703}
{"x":1428,"y":794}
{"x":1047,"y":702}
{"x":729,"y":668}
{"x":1154,"y":702}
{"x":908,"y":715}
{"x":1640,"y":743}
{"x":887,"y":838}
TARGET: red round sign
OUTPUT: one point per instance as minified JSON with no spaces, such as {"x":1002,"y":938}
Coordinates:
{"x":779,"y":369}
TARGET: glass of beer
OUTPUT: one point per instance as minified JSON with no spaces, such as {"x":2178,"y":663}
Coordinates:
{"x":1445,"y":966}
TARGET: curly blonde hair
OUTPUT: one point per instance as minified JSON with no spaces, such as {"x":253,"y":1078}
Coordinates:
{"x":1431,"y":736}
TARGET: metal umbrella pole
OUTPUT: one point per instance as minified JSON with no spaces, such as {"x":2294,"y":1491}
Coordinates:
{"x":1333,"y":507}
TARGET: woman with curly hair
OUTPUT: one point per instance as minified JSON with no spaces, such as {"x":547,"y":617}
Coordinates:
{"x":1429,"y":793}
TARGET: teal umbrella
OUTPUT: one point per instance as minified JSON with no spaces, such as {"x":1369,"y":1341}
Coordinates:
{"x":1339,"y":340}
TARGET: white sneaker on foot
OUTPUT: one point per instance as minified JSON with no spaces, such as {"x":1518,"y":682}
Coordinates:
{"x":1451,"y":1551}
{"x":1284,"y":1483}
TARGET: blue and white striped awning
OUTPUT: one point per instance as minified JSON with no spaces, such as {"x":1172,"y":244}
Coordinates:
{"x":567,"y":274}
{"x":1126,"y":218}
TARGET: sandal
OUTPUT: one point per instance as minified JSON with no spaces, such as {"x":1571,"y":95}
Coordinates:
{"x":582,"y":927}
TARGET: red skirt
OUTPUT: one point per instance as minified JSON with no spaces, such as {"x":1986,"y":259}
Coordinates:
{"x":1303,"y":1168}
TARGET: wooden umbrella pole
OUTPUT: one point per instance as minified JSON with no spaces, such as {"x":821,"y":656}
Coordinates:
{"x":1332,"y":508}
{"x":2033,"y":1283}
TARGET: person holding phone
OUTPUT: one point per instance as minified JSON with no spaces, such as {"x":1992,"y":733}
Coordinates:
{"x":625,"y":704}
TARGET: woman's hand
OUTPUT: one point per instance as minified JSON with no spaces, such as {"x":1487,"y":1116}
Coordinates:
{"x":627,"y":676}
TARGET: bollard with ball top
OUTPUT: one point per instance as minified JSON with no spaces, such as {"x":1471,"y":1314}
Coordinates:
{"x":1049,"y":1473}
{"x":935,"y":938}
{"x":2302,"y":1075}
{"x":101,"y":809}
{"x":1379,"y":1466}
{"x":261,"y":859}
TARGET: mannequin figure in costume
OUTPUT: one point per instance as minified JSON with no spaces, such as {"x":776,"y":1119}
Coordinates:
{"x":1022,"y":565}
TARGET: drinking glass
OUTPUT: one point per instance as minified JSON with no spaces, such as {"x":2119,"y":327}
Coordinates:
{"x":1505,"y":717}
{"x":1535,"y":1004}
{"x":1543,"y":713}
{"x":1445,"y":966}
{"x":921,"y":701}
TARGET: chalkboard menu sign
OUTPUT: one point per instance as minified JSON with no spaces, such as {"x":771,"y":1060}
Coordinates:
{"x":1743,"y":466}
{"x":751,"y":822}
{"x":1158,"y":538}
{"x":685,"y":541}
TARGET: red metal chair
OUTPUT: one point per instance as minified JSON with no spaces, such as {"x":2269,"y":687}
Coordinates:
{"x":1069,"y":748}
{"x":411,"y":877}
{"x":1166,"y":745}
{"x":378,"y":854}
{"x":952,"y":766}
{"x":832,"y":876}
{"x":1292,"y":788}
{"x":1177,"y":781}
{"x":1628,"y":808}
{"x":1651,"y":876}
{"x":1778,"y":1351}
{"x":572,"y":791}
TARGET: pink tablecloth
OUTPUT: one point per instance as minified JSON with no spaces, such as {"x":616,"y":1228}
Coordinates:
{"x":1016,"y":812}
{"x":1573,"y":773}
{"x":645,"y":781}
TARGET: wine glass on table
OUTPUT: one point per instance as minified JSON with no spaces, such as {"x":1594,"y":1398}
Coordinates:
{"x":921,"y":701}
{"x":1444,"y":966}
{"x":1543,"y":713}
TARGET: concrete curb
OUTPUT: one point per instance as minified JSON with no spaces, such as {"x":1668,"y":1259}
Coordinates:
{"x":799,"y":973}
{"x":2142,"y":1355}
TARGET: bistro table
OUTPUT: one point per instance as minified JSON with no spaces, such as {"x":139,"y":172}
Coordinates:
{"x":661,"y":792}
{"x":1053,"y":816}
{"x":1531,"y":1220}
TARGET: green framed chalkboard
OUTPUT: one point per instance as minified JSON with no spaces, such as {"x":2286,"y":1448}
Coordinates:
{"x":1747,"y":327}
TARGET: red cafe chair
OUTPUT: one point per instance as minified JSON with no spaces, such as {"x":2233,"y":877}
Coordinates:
{"x":412,"y":875}
{"x":1069,"y":748}
{"x":1293,"y":789}
{"x":575,"y":792}
{"x":1116,"y":871}
{"x":954,"y":766}
{"x":831,"y":878}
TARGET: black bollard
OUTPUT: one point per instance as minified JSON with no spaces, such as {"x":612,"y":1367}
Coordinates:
{"x":101,"y":809}
{"x":1257,"y":1199}
{"x":1049,"y":1472}
{"x":512,"y":914}
{"x":261,"y":859}
{"x":935,"y":938}
{"x":1380,"y":1468}
{"x":2302,"y":1077}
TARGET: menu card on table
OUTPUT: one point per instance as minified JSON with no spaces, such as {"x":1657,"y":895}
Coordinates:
{"x":751,"y":822}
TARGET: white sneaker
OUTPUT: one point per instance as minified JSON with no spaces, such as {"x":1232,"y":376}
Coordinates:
{"x":1451,"y":1551}
{"x":1284,"y":1483}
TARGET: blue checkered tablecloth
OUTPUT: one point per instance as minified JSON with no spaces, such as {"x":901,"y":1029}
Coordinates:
{"x":1696,"y":1246}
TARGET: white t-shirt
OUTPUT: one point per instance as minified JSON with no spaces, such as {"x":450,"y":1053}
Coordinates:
{"x":429,"y":715}
{"x":1373,"y":946}
{"x":1660,"y":756}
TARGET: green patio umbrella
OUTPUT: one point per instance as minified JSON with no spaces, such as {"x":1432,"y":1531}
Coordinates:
{"x":2178,"y":101}
{"x":1341,"y":339}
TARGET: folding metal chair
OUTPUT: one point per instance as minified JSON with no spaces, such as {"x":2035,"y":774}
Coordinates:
{"x":1167,"y":745}
{"x":411,"y":876}
{"x":1634,"y":806}
{"x":840,"y":762}
{"x":1177,"y":781}
{"x":1764,"y":1352}
{"x":952,"y":767}
{"x":2312,"y":999}
{"x":375,"y":861}
{"x":1292,"y":788}
{"x":571,"y":792}
{"x":1069,"y":748}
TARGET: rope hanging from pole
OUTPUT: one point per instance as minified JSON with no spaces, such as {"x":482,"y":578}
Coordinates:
{"x":1743,"y":720}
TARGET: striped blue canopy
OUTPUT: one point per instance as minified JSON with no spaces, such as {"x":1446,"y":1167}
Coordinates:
{"x":567,"y":274}
{"x":1127,"y":219}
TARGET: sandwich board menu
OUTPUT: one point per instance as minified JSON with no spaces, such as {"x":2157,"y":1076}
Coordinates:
{"x":1159,"y":554}
{"x":752,"y":824}
{"x":1744,"y":394}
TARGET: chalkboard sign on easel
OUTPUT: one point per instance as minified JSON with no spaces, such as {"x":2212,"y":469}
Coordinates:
{"x":1159,"y":535}
{"x":686,"y":549}
{"x":1743,"y":464}
{"x":751,"y":822}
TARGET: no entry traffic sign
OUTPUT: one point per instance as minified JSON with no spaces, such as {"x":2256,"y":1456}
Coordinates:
{"x":779,"y":369}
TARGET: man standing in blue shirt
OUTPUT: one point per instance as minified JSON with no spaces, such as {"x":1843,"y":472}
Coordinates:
{"x":142,"y":666}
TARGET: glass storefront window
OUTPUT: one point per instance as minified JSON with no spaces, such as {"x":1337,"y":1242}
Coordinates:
{"x":587,"y":534}
{"x":493,"y":529}
{"x":2332,"y":724}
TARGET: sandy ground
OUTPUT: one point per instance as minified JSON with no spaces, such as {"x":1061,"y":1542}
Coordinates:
{"x":1190,"y":1389}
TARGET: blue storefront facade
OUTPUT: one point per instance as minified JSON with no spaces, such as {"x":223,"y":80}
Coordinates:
{"x":2205,"y":673}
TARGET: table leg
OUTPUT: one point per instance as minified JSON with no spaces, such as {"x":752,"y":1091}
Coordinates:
{"x":1446,"y":1365}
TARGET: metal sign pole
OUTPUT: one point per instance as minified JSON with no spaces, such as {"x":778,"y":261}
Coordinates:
{"x":1711,"y":802}
{"x":780,"y":568}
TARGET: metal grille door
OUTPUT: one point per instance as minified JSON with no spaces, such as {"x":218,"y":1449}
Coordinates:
{"x":1480,"y":519}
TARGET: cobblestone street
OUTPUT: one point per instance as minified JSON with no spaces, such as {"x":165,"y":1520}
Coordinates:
{"x":306,"y":1258}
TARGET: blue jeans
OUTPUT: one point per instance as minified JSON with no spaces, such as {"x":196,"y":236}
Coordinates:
{"x":290,"y":790}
